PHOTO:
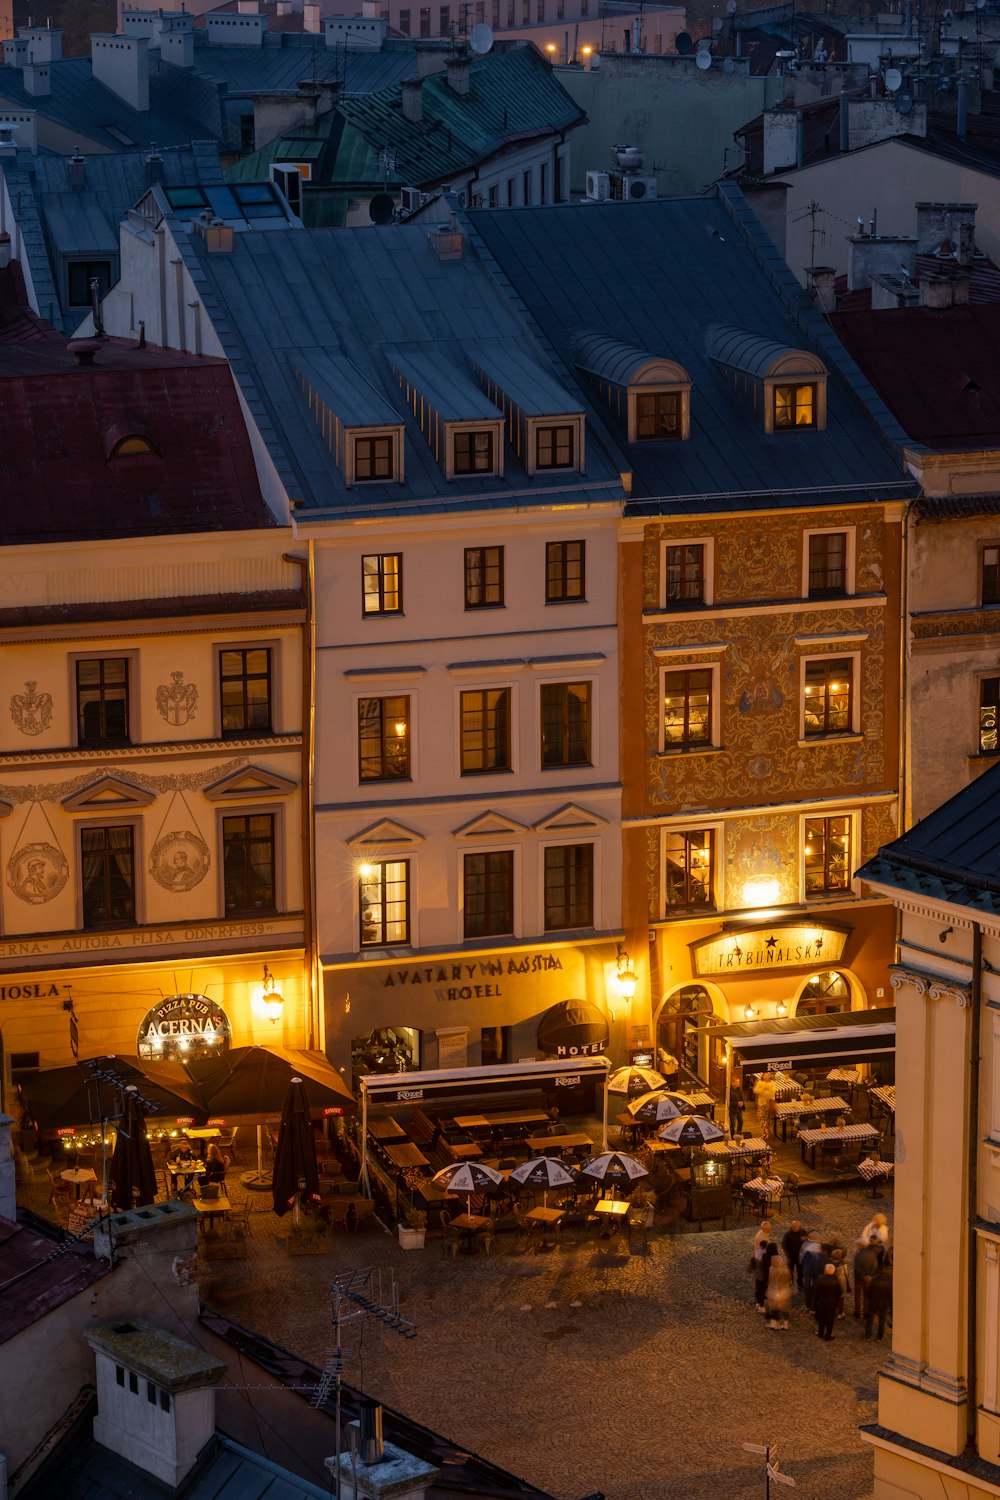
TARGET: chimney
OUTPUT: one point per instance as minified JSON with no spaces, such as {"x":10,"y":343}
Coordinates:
{"x":960,"y":289}
{"x":311,"y":17}
{"x":155,"y":1397}
{"x":936,"y":292}
{"x":217,"y":234}
{"x":247,"y":7}
{"x":44,"y":43}
{"x":893,"y":291}
{"x":458,"y":74}
{"x":77,"y":171}
{"x":15,"y":52}
{"x":371,"y":9}
{"x":176,"y":39}
{"x":121,"y":63}
{"x":446,"y":240}
{"x":8,"y":1192}
{"x":819,"y":280}
{"x":879,"y":253}
{"x":283,"y":8}
{"x":36,"y":80}
{"x":8,"y":146}
{"x":412,"y":101}
{"x":154,"y":167}
{"x":936,"y":222}
{"x":393,"y":1473}
{"x":966,"y":252}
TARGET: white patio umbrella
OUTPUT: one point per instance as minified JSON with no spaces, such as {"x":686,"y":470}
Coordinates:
{"x":614,"y":1167}
{"x":469,"y":1177}
{"x":635,"y":1080}
{"x":544,"y":1172}
{"x":661,"y":1105}
{"x":694,"y":1130}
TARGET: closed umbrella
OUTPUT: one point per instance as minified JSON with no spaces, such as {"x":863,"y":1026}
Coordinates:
{"x":661,"y":1105}
{"x":614,"y":1168}
{"x":296,"y":1170}
{"x":132,"y":1176}
{"x":695,"y":1130}
{"x":635,"y":1081}
{"x":544,"y":1172}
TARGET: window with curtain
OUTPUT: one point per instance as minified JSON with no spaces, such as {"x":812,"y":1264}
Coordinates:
{"x":245,"y":690}
{"x":488,"y":907}
{"x":569,"y":886}
{"x":485,"y":730}
{"x":107,"y":858}
{"x":248,"y":864}
{"x":102,"y":701}
{"x":565,"y":723}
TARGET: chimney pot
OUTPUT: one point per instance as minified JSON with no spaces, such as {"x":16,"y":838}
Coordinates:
{"x":936,"y":292}
{"x":821,"y":280}
{"x":411,"y":99}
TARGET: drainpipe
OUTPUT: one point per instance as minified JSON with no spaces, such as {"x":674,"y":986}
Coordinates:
{"x":904,"y":655}
{"x":305,"y":566}
{"x":845,"y":122}
{"x":972,"y":1299}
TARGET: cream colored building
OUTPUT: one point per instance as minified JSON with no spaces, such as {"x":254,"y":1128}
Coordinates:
{"x":938,"y":1428}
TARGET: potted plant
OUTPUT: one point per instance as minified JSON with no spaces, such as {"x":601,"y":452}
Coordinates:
{"x":413,"y":1232}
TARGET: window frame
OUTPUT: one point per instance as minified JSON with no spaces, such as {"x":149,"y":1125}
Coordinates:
{"x":406,"y":715}
{"x":824,"y":736}
{"x":469,"y":555}
{"x":114,"y":742}
{"x":551,"y":849}
{"x":562,"y":580}
{"x":815,"y":377}
{"x":510,"y":931}
{"x":382,"y":940}
{"x":563,"y":687}
{"x":351,"y":436}
{"x":994,"y":583}
{"x":850,"y":533}
{"x":485,"y":428}
{"x":382,"y":609}
{"x":715,"y":869}
{"x":681,"y":606}
{"x":134,"y":825}
{"x":509,"y":738}
{"x":694,"y":747}
{"x":535,"y":425}
{"x":828,"y":892}
{"x":794,"y":388}
{"x":271,"y":648}
{"x":275,"y":813}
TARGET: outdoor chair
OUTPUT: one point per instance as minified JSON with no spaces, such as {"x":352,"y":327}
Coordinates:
{"x":60,"y":1195}
{"x":338,"y":1210}
{"x":790,"y":1190}
{"x":360,"y":1211}
{"x":639,"y":1222}
{"x":845,"y":1171}
{"x":451,"y":1241}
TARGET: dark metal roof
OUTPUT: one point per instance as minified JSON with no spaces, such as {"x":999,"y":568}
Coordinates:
{"x":609,"y":359}
{"x":284,"y":59}
{"x":39,"y":1271}
{"x":753,"y":355}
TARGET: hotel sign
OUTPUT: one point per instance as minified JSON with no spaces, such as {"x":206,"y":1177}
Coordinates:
{"x":781,"y":945}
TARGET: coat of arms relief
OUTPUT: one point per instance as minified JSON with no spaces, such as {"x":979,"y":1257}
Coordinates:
{"x":178,"y":702}
{"x":31,"y":711}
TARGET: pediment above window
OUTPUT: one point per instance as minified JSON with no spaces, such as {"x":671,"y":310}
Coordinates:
{"x":569,"y":819}
{"x":108,"y":792}
{"x":249,"y":782}
{"x":489,"y":825}
{"x":385,"y":834}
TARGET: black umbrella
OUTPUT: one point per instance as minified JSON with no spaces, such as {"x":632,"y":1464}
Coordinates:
{"x":132,"y":1176}
{"x":87,"y":1092}
{"x":295,"y":1172}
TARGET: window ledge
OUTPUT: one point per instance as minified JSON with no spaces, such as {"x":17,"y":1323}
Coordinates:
{"x":567,"y":765}
{"x":992,"y":1144}
{"x":673,"y":751}
{"x":852,"y":737}
{"x":372,"y":674}
{"x":986,"y":756}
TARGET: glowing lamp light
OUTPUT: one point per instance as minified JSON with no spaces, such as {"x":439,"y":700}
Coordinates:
{"x":365,"y":871}
{"x":749,"y":1012}
{"x":550,"y":46}
{"x":587,"y":51}
{"x":781,"y":1009}
{"x":761,"y":892}
{"x":271,"y":997}
{"x":625,"y":979}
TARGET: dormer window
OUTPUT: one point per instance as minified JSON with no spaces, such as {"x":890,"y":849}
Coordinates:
{"x":657,"y":416}
{"x":362,"y":431}
{"x":545,"y":425}
{"x":462,"y":427}
{"x":786,"y":387}
{"x":374,"y":458}
{"x":134,"y":443}
{"x":650,"y":395}
{"x":555,"y":447}
{"x":474,"y":450}
{"x":128,"y":437}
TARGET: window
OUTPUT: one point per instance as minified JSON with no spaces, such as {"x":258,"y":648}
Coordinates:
{"x":133,"y":1382}
{"x":794,"y":406}
{"x":543,"y":182}
{"x":245,"y":690}
{"x":539,"y":10}
{"x":824,"y":995}
{"x":569,"y":886}
{"x":164,"y":1400}
{"x":827,"y":564}
{"x":102,"y":701}
{"x":989,"y":709}
{"x":384,"y":739}
{"x":554,"y":447}
{"x":827,"y":855}
{"x":120,"y":1376}
{"x":132,"y":443}
{"x":374,"y":458}
{"x":566,"y":724}
{"x":404,"y":22}
{"x":484,"y":577}
{"x":444,"y":24}
{"x":657,"y":416}
{"x":488,"y":881}
{"x":248,"y":864}
{"x":150,"y":1393}
{"x":385,"y":903}
{"x":687,"y":708}
{"x":494,"y":196}
{"x":690,"y":869}
{"x":684,"y":574}
{"x":511,"y":191}
{"x":991,"y":575}
{"x":485,"y":730}
{"x":564,"y":571}
{"x":246,"y":133}
{"x":828,"y":688}
{"x":382,"y":583}
{"x":425,"y":20}
{"x":80,"y":274}
{"x":107,"y":860}
{"x":511,"y":12}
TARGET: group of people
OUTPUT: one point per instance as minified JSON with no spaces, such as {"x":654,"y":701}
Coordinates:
{"x":215,"y":1162}
{"x":823,"y":1275}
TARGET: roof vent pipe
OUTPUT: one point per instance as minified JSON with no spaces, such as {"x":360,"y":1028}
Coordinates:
{"x":800,"y":137}
{"x":77,"y":171}
{"x":845,"y":122}
{"x":371,"y":1445}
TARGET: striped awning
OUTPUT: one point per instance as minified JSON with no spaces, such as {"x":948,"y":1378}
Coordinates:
{"x":856,"y":1036}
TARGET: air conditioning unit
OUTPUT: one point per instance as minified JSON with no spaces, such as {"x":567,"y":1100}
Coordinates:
{"x":288,"y":181}
{"x":598,"y":186}
{"x":636,"y":189}
{"x":411,"y":198}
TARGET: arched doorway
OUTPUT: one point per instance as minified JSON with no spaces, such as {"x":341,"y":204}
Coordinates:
{"x":825,"y":994}
{"x":681,"y":1032}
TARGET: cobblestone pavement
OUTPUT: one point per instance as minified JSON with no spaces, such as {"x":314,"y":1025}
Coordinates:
{"x":580,"y":1369}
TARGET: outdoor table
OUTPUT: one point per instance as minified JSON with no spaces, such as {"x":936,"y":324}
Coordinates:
{"x":470,"y":1225}
{"x":751,"y":1146}
{"x":78,"y":1176}
{"x":209,"y":1209}
{"x":630,"y":1128}
{"x":767,"y":1189}
{"x":184,"y":1173}
{"x":386,"y":1130}
{"x":202,"y":1133}
{"x":886,"y":1096}
{"x":539,"y":1144}
{"x":843,"y":1075}
{"x":472,"y":1122}
{"x":859,"y":1135}
{"x":655,"y":1147}
{"x":405,"y":1154}
{"x":616,"y":1207}
{"x":785,"y":1112}
{"x":788,"y":1089}
{"x":545,"y":1218}
{"x":871,"y":1171}
{"x":464,"y":1150}
{"x":702,"y":1100}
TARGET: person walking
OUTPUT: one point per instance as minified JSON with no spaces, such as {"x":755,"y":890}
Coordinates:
{"x":879,"y":1302}
{"x":867,"y":1259}
{"x":826,"y":1295}
{"x":735,"y":1112}
{"x":761,"y":1269}
{"x":878,"y":1226}
{"x":792,"y":1241}
{"x":839,"y":1258}
{"x":811,"y":1259}
{"x":778,"y":1294}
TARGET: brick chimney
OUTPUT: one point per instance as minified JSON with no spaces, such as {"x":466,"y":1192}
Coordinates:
{"x":940,"y":221}
{"x":121,"y":63}
{"x":412,"y":99}
{"x":458,"y":74}
{"x":820,"y":280}
{"x":879,"y":253}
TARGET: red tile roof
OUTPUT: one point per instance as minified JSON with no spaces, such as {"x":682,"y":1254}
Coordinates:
{"x":36,"y":1276}
{"x":936,"y":371}
{"x":984,"y":282}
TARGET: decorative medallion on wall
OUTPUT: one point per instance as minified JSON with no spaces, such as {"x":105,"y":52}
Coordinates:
{"x":31,"y":711}
{"x":37,"y":872}
{"x":179,"y":861}
{"x":177,"y":703}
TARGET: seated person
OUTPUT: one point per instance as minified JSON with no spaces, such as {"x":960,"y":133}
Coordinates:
{"x":181,"y":1154}
{"x":215,"y":1165}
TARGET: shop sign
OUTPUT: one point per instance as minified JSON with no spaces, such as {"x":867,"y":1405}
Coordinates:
{"x":408,"y":1095}
{"x":332,"y":1110}
{"x":184,"y":1026}
{"x":471,"y":978}
{"x":568,"y":1082}
{"x":31,"y":989}
{"x":782,"y":945}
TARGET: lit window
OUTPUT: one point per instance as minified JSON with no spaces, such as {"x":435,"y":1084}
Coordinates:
{"x":690,"y":869}
{"x":374,"y":458}
{"x":474,"y":450}
{"x":382,"y":583}
{"x":485,"y":730}
{"x":555,"y":447}
{"x":565,"y":724}
{"x":794,"y":406}
{"x":827,"y":855}
{"x":488,"y":905}
{"x":989,"y":710}
{"x":134,"y":443}
{"x":245,"y":691}
{"x":828,"y":691}
{"x":484,"y":577}
{"x":827,"y":564}
{"x":684,"y":567}
{"x":564,"y":571}
{"x":248,"y":864}
{"x":657,"y":416}
{"x":385,"y":903}
{"x":687,"y":708}
{"x":384,"y":739}
{"x":569,"y":887}
{"x":991,"y":575}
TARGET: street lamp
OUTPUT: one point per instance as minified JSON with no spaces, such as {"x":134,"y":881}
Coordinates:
{"x":271,"y":997}
{"x":625,"y":979}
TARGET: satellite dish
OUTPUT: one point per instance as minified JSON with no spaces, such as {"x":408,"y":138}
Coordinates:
{"x":481,"y":39}
{"x":683,"y":44}
{"x":893,"y":79}
{"x":381,"y":208}
{"x":703,"y":60}
{"x":904,"y":103}
{"x":729,"y":66}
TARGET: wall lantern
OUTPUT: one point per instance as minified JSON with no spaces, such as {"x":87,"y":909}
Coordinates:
{"x":271,"y":997}
{"x":625,"y":979}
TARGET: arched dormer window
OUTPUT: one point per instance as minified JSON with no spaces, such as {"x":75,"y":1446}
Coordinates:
{"x":786,"y":386}
{"x":650,"y":395}
{"x":129,"y":437}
